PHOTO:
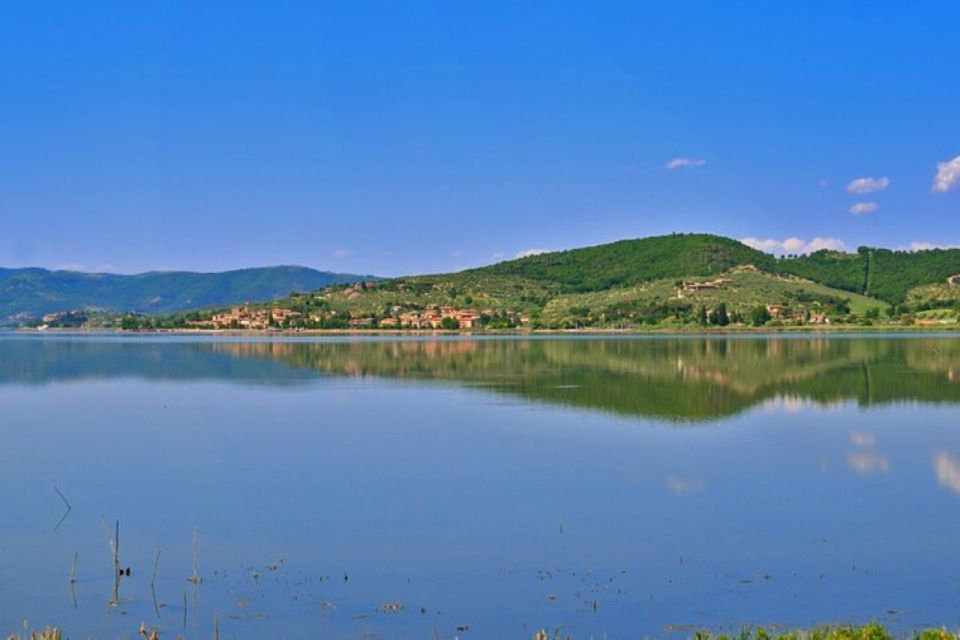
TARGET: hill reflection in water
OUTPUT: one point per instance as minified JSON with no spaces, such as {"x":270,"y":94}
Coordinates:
{"x":671,"y":378}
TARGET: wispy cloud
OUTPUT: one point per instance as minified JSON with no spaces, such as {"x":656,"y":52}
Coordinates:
{"x":948,"y":175}
{"x":70,"y":266}
{"x":929,"y":246}
{"x":684,"y":485}
{"x":867,"y":463}
{"x":498,"y":255}
{"x":948,"y":471}
{"x":680,"y":163}
{"x":531,"y":252}
{"x":868,"y":185}
{"x":794,"y":245}
{"x":861,"y":208}
{"x":341,"y":253}
{"x":863,"y":439}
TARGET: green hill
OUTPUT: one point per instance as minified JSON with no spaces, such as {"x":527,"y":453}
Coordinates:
{"x":665,"y":281}
{"x":654,"y":280}
{"x":27,"y":294}
{"x":879,"y":273}
{"x":662,"y":301}
{"x":630,"y":262}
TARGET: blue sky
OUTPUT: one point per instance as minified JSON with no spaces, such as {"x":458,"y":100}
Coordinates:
{"x":407,"y":137}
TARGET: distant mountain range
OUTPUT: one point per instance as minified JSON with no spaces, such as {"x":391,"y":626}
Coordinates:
{"x":28,"y":294}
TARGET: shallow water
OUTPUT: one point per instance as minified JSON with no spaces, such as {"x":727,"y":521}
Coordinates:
{"x":614,"y":487}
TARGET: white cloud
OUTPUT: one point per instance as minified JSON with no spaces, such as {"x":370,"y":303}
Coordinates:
{"x":341,"y":253}
{"x":863,"y":439}
{"x":868,"y":463}
{"x":948,"y":175}
{"x":868,"y":185}
{"x":526,"y":253}
{"x":680,"y":163}
{"x":833,"y":244}
{"x":70,"y":266}
{"x":684,"y":485}
{"x":929,"y":246}
{"x":794,"y":245}
{"x":948,"y":471}
{"x":861,"y":208}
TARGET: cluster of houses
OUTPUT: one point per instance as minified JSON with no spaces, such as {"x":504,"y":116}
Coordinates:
{"x":780,"y":312}
{"x":432,"y":317}
{"x":246,"y":318}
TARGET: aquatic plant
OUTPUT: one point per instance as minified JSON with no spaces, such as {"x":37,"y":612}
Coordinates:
{"x":49,"y":633}
{"x":871,"y":631}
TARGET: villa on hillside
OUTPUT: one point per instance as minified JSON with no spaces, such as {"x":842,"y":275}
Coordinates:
{"x":954,"y":280}
{"x":692,"y":286}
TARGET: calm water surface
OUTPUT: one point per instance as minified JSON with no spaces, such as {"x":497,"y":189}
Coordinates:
{"x":612,"y":487}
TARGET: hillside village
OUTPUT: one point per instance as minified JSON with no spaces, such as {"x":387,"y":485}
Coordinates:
{"x":311,"y":311}
{"x":368,"y":305}
{"x":680,"y":281}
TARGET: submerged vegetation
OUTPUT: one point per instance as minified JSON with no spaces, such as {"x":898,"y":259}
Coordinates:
{"x":48,"y":633}
{"x":871,"y":631}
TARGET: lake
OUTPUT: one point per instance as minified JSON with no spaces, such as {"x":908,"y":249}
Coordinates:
{"x":478,"y":487}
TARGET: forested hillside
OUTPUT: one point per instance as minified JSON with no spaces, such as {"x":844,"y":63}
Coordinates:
{"x":27,"y":294}
{"x":880,"y":273}
{"x":629,"y":262}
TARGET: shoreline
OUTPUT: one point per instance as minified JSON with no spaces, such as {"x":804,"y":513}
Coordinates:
{"x":662,"y":331}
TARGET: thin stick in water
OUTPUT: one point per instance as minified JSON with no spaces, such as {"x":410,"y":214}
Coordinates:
{"x":114,"y":542}
{"x":65,"y":513}
{"x":73,"y":579}
{"x":153,"y":583}
{"x":194,"y":578}
{"x":116,"y":564}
